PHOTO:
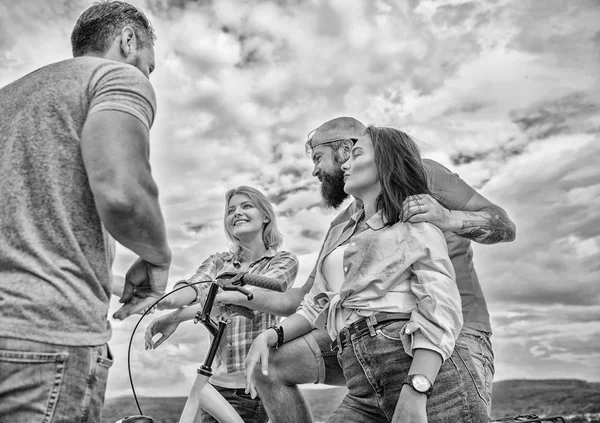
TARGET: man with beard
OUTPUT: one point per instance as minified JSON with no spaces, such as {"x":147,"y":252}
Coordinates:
{"x":456,"y":208}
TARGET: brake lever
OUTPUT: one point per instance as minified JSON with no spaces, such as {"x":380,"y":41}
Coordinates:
{"x":234,"y":278}
{"x":244,"y":291}
{"x":231,"y":287}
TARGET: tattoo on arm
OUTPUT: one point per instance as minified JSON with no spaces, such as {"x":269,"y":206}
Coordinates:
{"x":489,"y":225}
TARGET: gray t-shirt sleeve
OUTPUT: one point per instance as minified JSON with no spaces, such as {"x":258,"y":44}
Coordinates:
{"x":447,"y":187}
{"x":121,"y":87}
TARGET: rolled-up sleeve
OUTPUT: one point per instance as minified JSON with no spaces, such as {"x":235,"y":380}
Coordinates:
{"x":437,"y":319}
{"x":311,"y":308}
{"x":205,"y":273}
{"x":283,"y":267}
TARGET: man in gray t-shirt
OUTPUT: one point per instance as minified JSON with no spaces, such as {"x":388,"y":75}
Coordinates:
{"x":74,"y":173}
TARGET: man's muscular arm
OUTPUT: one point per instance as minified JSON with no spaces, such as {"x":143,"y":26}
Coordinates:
{"x":489,"y":225}
{"x":480,"y":220}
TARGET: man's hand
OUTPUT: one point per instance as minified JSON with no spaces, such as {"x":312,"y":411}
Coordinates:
{"x":425,"y":208}
{"x":411,"y":407}
{"x":144,"y":284}
{"x":165,"y":325}
{"x":259,"y":352}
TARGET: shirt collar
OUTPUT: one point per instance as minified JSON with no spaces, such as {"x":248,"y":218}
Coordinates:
{"x":269,"y":253}
{"x":375,"y":222}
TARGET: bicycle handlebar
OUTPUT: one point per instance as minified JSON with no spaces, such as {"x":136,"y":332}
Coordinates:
{"x":236,"y":281}
{"x":264,"y":282}
{"x":240,"y":279}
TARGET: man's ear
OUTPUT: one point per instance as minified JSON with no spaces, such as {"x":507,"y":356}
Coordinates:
{"x":128,"y":41}
{"x":346,"y":148}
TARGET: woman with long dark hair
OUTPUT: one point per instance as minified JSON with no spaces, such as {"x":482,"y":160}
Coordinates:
{"x":387,"y":295}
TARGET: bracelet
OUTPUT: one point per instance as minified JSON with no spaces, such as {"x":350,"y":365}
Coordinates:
{"x":279,"y":330}
{"x":197,"y":289}
{"x":194,"y":287}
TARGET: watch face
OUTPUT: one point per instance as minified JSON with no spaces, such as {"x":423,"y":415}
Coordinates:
{"x":421,"y":383}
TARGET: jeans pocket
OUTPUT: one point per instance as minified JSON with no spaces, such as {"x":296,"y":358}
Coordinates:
{"x":467,"y":365}
{"x":31,"y":381}
{"x":482,"y":357}
{"x":240,"y":394}
{"x":392,"y":331}
{"x":250,"y":409}
{"x":93,"y":400}
{"x":108,"y":361}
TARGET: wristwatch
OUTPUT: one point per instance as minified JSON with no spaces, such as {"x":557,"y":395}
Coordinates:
{"x":420,"y":383}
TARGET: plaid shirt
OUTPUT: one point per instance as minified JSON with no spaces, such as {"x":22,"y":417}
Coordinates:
{"x":241,"y":331}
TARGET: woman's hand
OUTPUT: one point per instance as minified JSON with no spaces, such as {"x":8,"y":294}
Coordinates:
{"x":182,"y":296}
{"x":411,"y":407}
{"x":165,"y":325}
{"x":259,"y":352}
{"x":170,"y":302}
{"x":231,"y":297}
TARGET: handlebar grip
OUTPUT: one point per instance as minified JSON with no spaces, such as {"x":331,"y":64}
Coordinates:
{"x":264,"y":282}
{"x":242,"y":311}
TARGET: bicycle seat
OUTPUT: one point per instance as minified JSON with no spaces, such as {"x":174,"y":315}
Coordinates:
{"x":136,"y":419}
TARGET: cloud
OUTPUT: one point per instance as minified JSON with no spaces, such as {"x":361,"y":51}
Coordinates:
{"x":503,"y":93}
{"x":542,"y":340}
{"x":573,"y":113}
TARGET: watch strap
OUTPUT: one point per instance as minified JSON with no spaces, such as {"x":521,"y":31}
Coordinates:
{"x":279,"y":331}
{"x":408,"y":380}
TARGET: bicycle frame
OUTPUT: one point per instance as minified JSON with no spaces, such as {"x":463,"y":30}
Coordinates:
{"x":204,"y":395}
{"x":530,"y":418}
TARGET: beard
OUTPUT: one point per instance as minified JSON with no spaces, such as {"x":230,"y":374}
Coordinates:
{"x":332,"y":188}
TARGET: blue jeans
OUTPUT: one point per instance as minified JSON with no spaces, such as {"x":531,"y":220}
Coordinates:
{"x":46,"y":383}
{"x":250,"y":410}
{"x":374,"y":368}
{"x":479,"y":345}
{"x":477,"y":342}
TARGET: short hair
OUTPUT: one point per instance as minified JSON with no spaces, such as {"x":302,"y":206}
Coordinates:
{"x":271,"y":235}
{"x":401,"y":171}
{"x":97,"y":27}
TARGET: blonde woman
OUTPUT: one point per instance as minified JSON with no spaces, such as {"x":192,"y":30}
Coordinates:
{"x":255,"y":241}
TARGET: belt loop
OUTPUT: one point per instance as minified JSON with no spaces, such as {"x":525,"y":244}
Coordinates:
{"x":371,"y":322}
{"x":340,"y":344}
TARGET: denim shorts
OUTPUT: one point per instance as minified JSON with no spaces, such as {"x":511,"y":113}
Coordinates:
{"x":46,"y":383}
{"x":330,"y":372}
{"x":374,"y":368}
{"x":250,"y":410}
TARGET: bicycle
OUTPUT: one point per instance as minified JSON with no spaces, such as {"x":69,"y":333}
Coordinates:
{"x":530,"y":418}
{"x":204,"y":395}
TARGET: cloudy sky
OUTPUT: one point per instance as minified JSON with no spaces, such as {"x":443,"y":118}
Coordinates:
{"x":504,"y":92}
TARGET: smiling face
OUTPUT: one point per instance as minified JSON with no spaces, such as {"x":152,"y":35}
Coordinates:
{"x":243,"y":218}
{"x":361,"y":177}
